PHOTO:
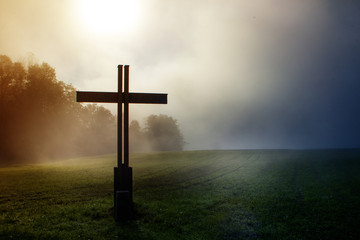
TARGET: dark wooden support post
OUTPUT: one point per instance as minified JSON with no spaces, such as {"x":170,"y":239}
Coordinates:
{"x":123,"y":197}
{"x":126,"y":116}
{"x":119,"y":126}
{"x":123,"y":173}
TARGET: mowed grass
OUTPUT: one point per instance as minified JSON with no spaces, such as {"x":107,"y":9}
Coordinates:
{"x":254,"y":194}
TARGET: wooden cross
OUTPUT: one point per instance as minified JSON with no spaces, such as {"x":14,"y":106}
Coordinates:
{"x":123,"y":173}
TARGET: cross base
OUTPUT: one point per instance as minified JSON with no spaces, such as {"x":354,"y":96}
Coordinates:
{"x":123,"y":199}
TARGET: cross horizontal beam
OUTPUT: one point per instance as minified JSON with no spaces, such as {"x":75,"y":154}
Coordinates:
{"x":105,"y":97}
{"x":114,"y":97}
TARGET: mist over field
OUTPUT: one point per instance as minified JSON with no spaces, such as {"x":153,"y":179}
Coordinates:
{"x":239,"y":74}
{"x":39,"y":120}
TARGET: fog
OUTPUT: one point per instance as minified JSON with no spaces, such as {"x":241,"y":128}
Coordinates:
{"x":239,"y":74}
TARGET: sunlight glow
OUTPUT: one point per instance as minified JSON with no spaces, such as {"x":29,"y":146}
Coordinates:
{"x":109,"y":16}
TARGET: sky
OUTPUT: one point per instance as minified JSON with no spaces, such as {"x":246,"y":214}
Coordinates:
{"x":245,"y":74}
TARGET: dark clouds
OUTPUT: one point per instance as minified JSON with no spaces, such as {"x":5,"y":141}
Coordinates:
{"x":240,"y":74}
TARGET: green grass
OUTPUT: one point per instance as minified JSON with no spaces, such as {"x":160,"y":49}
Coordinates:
{"x":269,"y":194}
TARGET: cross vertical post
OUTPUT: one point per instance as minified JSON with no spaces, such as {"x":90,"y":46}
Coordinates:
{"x":119,"y":119}
{"x":126,"y":116}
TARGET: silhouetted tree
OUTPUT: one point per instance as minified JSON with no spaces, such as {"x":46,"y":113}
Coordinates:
{"x":98,"y":135}
{"x":163,"y":133}
{"x":137,"y":139}
{"x":39,"y":117}
{"x":12,"y":83}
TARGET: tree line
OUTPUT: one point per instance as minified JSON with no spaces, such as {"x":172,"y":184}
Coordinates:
{"x":40,"y":119}
{"x":161,"y":133}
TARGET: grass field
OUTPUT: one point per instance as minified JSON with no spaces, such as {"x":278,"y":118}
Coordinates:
{"x":268,"y":194}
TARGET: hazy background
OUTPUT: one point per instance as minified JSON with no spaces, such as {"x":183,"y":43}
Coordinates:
{"x":239,"y":74}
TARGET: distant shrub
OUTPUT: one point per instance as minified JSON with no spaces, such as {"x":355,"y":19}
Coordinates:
{"x":161,"y":133}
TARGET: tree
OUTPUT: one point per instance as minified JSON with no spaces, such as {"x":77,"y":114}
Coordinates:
{"x":12,"y":83}
{"x":40,"y":119}
{"x":163,"y":133}
{"x":137,"y":139}
{"x":98,"y":131}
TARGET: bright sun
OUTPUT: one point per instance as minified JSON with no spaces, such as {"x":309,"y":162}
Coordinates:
{"x":109,"y":16}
